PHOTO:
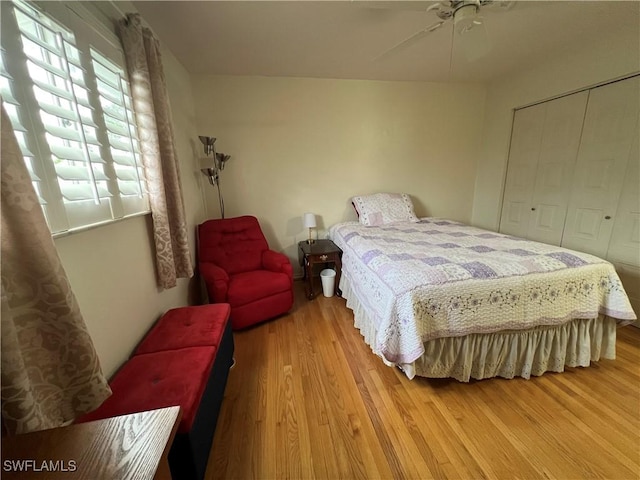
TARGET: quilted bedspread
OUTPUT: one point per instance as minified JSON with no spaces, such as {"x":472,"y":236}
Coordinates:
{"x":440,"y":278}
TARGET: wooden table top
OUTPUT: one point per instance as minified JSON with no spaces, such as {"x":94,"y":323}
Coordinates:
{"x":125,"y":447}
{"x":320,"y":246}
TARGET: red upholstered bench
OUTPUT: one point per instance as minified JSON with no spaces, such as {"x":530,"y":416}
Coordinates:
{"x":183,"y":360}
{"x":158,"y":380}
{"x":197,"y":326}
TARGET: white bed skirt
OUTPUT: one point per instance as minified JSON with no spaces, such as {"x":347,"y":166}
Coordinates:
{"x":507,"y":354}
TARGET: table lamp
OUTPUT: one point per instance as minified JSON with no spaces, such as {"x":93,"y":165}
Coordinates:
{"x":309,"y":221}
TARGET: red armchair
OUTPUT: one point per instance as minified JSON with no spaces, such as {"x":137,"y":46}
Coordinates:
{"x":239,"y":269}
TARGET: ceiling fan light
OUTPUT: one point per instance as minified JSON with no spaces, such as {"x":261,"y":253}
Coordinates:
{"x":466,"y":17}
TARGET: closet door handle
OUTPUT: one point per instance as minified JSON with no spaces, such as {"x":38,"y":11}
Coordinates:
{"x":607,"y":217}
{"x":533,"y":209}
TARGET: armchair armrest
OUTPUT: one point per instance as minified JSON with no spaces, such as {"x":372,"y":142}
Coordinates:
{"x":277,"y":262}
{"x":216,"y":280}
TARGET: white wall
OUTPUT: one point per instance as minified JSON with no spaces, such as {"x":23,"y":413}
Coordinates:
{"x":611,"y":55}
{"x":112,"y":268}
{"x":309,"y":145}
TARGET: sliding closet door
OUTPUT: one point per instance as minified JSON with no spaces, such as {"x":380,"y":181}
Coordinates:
{"x":528,"y":125}
{"x":544,"y":146}
{"x":624,"y":246}
{"x":608,"y":134}
{"x":558,"y":152}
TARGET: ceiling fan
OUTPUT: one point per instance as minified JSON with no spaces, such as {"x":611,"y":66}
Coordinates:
{"x":465,"y":15}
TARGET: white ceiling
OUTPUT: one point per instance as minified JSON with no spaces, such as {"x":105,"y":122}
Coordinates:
{"x":340,"y":39}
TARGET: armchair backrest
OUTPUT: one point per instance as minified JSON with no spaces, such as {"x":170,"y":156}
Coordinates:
{"x":234,"y":244}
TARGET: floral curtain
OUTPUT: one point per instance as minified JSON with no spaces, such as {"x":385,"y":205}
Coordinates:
{"x":153,"y":115}
{"x":50,"y":371}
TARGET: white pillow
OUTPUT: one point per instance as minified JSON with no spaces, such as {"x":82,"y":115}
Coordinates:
{"x":384,"y":208}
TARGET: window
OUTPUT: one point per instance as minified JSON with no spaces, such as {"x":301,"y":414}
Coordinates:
{"x":70,"y":106}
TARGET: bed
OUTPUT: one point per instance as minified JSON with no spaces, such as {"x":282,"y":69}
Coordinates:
{"x":439,"y":299}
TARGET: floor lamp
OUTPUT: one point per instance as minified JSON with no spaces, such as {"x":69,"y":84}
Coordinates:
{"x":213,"y":173}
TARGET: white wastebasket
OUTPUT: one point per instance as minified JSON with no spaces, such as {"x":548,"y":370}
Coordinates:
{"x":328,"y":277}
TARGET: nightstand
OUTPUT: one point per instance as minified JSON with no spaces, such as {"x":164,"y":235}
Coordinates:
{"x":320,"y":251}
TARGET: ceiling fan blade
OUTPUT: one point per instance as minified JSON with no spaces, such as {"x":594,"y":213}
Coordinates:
{"x":419,"y":35}
{"x":435,"y":6}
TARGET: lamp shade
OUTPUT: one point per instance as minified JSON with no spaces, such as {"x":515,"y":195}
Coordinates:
{"x":208,"y":143}
{"x":466,"y":17}
{"x":309,"y":220}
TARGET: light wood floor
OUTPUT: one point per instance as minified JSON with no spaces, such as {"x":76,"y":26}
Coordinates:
{"x":308,"y":399}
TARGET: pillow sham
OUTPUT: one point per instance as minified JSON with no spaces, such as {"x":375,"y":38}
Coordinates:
{"x":384,"y":208}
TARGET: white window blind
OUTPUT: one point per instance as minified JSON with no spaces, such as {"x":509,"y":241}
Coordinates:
{"x":71,"y":108}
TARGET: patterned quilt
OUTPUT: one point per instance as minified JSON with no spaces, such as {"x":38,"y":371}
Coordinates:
{"x":439,"y":278}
